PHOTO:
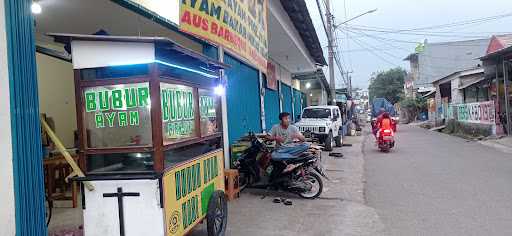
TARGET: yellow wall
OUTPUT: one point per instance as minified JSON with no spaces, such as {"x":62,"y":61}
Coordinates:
{"x":57,"y":95}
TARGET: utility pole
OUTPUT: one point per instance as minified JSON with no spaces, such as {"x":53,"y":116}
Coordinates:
{"x":349,"y":82}
{"x":330,"y":46}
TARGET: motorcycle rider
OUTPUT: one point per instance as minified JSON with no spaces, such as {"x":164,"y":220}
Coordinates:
{"x":384,"y":124}
{"x":375,"y":127}
{"x":284,"y":132}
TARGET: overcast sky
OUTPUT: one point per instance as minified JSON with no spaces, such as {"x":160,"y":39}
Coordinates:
{"x":364,"y":54}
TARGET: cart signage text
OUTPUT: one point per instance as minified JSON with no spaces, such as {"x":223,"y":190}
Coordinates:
{"x":117,"y":107}
{"x":187,"y":190}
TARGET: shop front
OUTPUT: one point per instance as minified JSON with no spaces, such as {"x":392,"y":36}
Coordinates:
{"x":117,"y":118}
{"x":498,"y":70}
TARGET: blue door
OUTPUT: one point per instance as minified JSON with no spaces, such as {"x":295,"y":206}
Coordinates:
{"x":243,"y":99}
{"x":271,"y":108}
{"x":286,"y":93}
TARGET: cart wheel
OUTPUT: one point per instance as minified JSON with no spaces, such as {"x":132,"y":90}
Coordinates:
{"x":217,"y":216}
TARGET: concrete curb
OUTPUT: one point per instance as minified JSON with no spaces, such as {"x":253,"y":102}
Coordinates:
{"x":491,"y":144}
{"x":497,"y":146}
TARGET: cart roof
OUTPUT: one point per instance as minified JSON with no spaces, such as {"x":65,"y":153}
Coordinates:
{"x":166,"y":43}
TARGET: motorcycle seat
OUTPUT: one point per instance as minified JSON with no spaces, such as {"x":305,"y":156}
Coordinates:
{"x":300,"y":159}
{"x":291,"y":159}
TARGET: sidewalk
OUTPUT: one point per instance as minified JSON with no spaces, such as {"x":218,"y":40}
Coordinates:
{"x":339,"y":211}
{"x":502,"y":144}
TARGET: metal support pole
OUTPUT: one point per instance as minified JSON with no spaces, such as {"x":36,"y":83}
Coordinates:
{"x":505,"y":79}
{"x":262,"y":100}
{"x":293,"y":101}
{"x":349,"y":85}
{"x":330,"y":29}
{"x":497,"y":105}
{"x":224,"y":108}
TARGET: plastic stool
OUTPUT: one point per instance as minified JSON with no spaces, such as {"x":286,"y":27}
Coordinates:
{"x":232,"y":184}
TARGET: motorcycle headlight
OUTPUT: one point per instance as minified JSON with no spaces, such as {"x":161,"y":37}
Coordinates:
{"x":321,"y":129}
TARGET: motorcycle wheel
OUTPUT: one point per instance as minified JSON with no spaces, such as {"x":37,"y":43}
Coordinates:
{"x":244,"y":180}
{"x":338,"y":140}
{"x":317,"y":186}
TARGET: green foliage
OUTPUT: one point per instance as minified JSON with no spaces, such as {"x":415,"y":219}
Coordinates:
{"x":413,"y":106}
{"x":388,"y":84}
{"x":419,"y":104}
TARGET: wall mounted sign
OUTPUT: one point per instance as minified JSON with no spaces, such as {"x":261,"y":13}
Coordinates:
{"x":478,"y":112}
{"x":187,"y":190}
{"x":238,"y":25}
{"x":272,"y":77}
{"x":169,"y":10}
{"x":118,"y":115}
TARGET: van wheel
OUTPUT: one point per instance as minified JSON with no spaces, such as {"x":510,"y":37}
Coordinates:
{"x":328,"y":142}
{"x":338,"y":140}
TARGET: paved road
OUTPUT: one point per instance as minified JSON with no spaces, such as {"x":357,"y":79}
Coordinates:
{"x":434,"y":184}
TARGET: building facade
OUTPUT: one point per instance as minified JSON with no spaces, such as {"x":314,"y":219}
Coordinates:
{"x":38,"y":78}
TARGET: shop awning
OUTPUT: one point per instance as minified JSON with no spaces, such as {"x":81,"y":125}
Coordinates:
{"x":316,"y":76}
{"x":429,"y":94}
{"x":471,"y":83}
{"x":498,"y":54}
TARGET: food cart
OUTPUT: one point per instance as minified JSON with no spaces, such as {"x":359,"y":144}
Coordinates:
{"x":150,"y":136}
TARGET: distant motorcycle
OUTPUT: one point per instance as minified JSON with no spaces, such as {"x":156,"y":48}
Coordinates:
{"x":386,"y":140}
{"x":394,"y":123}
{"x":261,"y":167}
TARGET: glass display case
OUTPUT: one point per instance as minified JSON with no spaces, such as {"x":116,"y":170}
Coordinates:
{"x":147,"y":115}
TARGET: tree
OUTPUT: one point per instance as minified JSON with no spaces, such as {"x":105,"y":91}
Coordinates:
{"x":411,"y":107}
{"x":388,"y":84}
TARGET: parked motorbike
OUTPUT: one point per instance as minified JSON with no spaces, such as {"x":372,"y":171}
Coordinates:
{"x":300,"y":174}
{"x":386,"y":141}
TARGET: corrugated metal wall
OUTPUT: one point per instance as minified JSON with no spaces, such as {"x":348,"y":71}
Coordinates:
{"x":26,"y":139}
{"x":286,"y":96}
{"x":304,"y":100}
{"x":243,"y":99}
{"x":271,"y":108}
{"x":297,"y":103}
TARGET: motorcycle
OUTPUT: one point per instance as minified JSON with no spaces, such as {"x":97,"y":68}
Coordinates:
{"x":260,"y":167}
{"x":386,"y":140}
{"x":394,"y":123}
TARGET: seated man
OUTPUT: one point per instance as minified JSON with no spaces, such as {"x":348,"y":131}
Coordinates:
{"x":285,"y":133}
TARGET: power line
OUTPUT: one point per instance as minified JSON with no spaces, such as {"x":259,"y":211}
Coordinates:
{"x":380,"y":39}
{"x":365,"y":49}
{"x":337,"y":48}
{"x":373,"y":50}
{"x":336,"y":56}
{"x":418,"y":33}
{"x":322,"y":16}
{"x":425,"y":31}
{"x":448,"y":25}
{"x":361,"y":44}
